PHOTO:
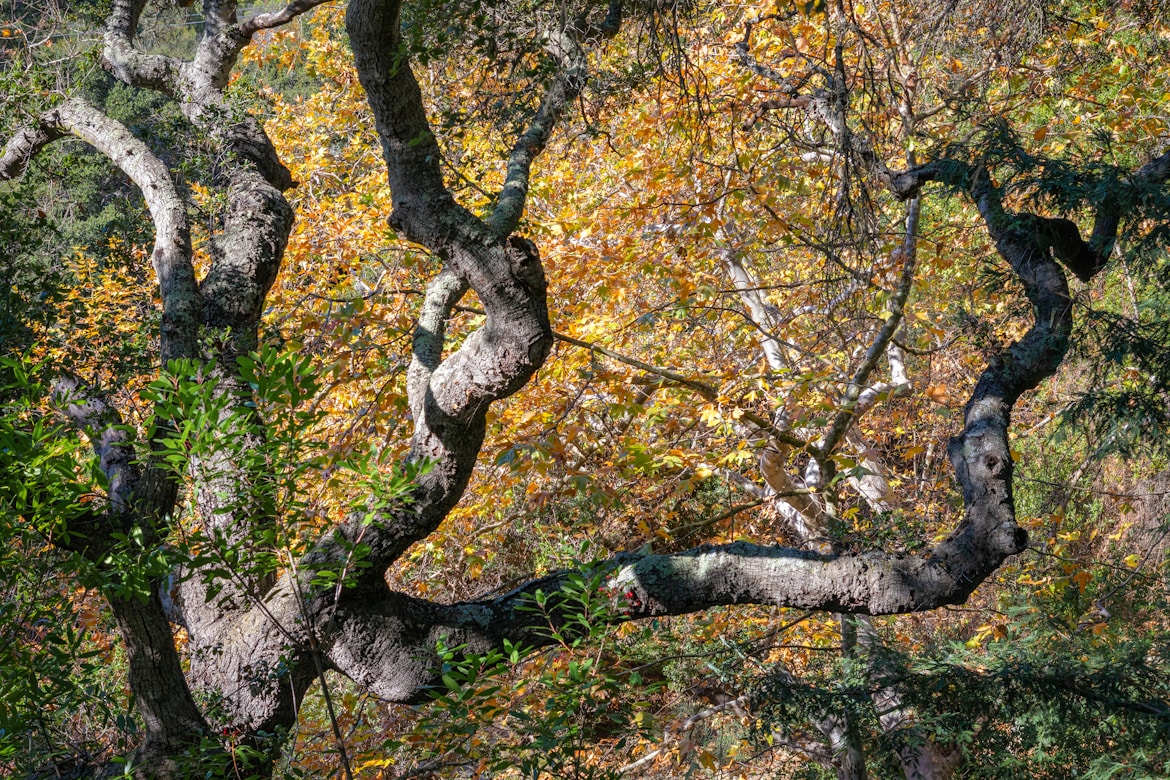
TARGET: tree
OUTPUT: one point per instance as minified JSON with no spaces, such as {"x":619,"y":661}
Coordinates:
{"x":269,"y":597}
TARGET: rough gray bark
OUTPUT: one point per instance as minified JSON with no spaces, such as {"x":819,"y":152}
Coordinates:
{"x":140,"y":496}
{"x":172,"y":248}
{"x":195,"y":318}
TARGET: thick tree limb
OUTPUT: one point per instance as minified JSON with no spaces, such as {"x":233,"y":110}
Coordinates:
{"x":209,"y":69}
{"x":127,"y":63}
{"x":1087,"y":258}
{"x":172,"y":241}
{"x":1084,"y":258}
{"x":246,"y":257}
{"x":138,"y":495}
{"x":875,"y":583}
{"x":197,"y":84}
{"x":172,"y":248}
{"x":254,"y":652}
{"x":24,"y":146}
{"x":505,"y":272}
{"x":172,"y":719}
{"x":388,"y":644}
{"x":200,"y":87}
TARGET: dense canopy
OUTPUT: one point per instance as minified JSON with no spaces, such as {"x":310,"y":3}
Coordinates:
{"x":578,"y":389}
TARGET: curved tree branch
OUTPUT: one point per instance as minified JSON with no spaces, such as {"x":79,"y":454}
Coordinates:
{"x":398,"y":632}
{"x":172,"y":242}
{"x":271,"y":19}
{"x":388,"y":644}
{"x":125,"y":61}
{"x":137,"y":496}
{"x":253,"y":651}
{"x":1083,"y":258}
{"x":172,"y":248}
{"x":172,"y":719}
{"x":505,"y":272}
{"x":24,"y":145}
{"x":443,"y":293}
{"x":566,"y":85}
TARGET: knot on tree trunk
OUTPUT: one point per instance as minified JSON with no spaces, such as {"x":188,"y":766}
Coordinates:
{"x":1010,"y":539}
{"x":524,"y":263}
{"x":524,"y":259}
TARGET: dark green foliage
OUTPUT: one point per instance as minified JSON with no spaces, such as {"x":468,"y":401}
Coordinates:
{"x":1071,"y":709}
{"x":28,"y":279}
{"x":1123,"y":337}
{"x":59,"y":702}
{"x":1124,"y":409}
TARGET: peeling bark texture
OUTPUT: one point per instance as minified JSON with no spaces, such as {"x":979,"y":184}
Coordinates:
{"x":172,"y":248}
{"x":125,"y":61}
{"x":874,"y":583}
{"x":254,"y":658}
{"x":171,"y":257}
{"x":247,"y":255}
{"x":196,"y":319}
{"x":23,"y":147}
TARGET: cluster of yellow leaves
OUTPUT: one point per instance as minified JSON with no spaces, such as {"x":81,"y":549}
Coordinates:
{"x":103,"y":328}
{"x":630,"y":229}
